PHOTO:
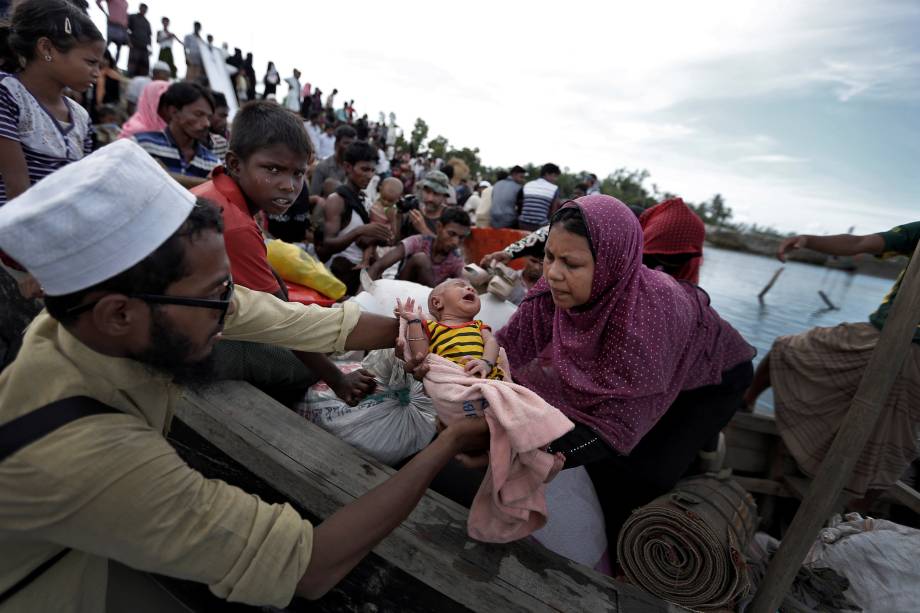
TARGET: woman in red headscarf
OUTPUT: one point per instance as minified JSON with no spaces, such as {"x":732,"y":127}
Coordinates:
{"x":673,"y":240}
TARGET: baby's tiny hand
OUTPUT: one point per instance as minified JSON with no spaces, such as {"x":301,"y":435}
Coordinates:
{"x":406,"y":311}
{"x":477,"y":368}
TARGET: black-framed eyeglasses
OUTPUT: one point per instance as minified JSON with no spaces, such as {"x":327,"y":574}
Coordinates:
{"x":221,"y":304}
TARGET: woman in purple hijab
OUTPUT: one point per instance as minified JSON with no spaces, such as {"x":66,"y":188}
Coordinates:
{"x":641,"y":362}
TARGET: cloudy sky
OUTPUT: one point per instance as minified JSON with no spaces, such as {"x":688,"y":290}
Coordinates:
{"x":803,"y":115}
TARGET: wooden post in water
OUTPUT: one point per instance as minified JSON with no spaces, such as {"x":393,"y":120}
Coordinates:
{"x":827,"y":300}
{"x":770,"y":283}
{"x":880,"y":374}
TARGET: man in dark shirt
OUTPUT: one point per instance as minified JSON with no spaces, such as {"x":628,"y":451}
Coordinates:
{"x":139,"y":37}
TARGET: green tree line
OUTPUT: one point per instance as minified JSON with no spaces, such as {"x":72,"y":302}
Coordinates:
{"x":633,"y":187}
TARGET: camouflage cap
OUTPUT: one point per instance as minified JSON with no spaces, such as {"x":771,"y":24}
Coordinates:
{"x":437,"y":182}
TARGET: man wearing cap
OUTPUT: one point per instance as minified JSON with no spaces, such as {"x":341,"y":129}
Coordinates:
{"x":138,"y":291}
{"x":507,"y":197}
{"x":473,"y":203}
{"x":160,"y":72}
{"x":434,"y":189}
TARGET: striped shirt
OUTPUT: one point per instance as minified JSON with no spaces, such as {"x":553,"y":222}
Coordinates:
{"x":46,"y":143}
{"x":459,"y":343}
{"x":538,"y":197}
{"x":162,"y":147}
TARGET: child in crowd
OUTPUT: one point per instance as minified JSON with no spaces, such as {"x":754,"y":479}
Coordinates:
{"x":47,"y":47}
{"x":264,"y":172}
{"x":385,"y":213}
{"x":453,"y":333}
{"x":108,"y":127}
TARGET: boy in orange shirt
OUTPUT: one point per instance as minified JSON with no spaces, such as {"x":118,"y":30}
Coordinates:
{"x":264,"y":171}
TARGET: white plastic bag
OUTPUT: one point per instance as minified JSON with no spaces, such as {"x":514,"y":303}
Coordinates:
{"x":881,"y":560}
{"x":379,"y":297}
{"x":575,"y":522}
{"x":394,"y":422}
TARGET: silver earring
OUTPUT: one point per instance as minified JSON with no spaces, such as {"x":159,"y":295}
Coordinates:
{"x":47,"y":58}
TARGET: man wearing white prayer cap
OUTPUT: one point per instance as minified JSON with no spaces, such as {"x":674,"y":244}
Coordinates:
{"x":138,"y":291}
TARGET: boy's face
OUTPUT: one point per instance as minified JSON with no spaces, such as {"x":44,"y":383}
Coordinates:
{"x":271,"y":178}
{"x":454,"y":297}
{"x":361,"y":173}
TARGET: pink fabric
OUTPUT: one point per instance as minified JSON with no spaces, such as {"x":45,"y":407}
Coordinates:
{"x":146,"y":118}
{"x":510,"y":503}
{"x":618,"y":362}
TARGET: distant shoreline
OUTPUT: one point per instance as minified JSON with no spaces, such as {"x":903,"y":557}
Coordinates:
{"x":766,"y":245}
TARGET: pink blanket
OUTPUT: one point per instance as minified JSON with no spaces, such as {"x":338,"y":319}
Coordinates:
{"x":510,"y":503}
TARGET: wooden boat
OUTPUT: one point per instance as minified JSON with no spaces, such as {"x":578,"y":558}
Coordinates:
{"x":232,"y":431}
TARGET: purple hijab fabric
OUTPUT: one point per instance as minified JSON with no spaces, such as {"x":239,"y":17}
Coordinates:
{"x":618,"y":362}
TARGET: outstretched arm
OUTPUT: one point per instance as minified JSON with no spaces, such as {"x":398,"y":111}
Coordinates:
{"x":341,"y":541}
{"x":389,"y":258}
{"x":373,"y":332}
{"x":838,"y":244}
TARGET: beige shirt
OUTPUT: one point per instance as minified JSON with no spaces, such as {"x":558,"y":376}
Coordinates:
{"x":484,"y":209}
{"x":111,"y":486}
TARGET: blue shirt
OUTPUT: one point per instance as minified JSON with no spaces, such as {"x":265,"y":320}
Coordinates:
{"x":162,"y":147}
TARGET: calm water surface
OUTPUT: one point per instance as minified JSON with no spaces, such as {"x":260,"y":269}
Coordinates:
{"x":793,"y":305}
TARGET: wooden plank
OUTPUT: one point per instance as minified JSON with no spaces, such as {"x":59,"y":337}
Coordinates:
{"x":757,"y":422}
{"x":903,"y":494}
{"x":322,"y":473}
{"x":746,"y":460}
{"x":764,"y":486}
{"x":373,"y":585}
{"x":879,"y":376}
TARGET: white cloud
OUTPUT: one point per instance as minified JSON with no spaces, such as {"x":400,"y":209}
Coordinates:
{"x":773,"y":158}
{"x":598,"y":86}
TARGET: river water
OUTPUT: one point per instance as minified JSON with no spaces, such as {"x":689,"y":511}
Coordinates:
{"x":734,"y":279}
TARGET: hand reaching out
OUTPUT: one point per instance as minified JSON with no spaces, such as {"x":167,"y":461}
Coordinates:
{"x":498,"y":257}
{"x":406,"y":310}
{"x":791,"y":244}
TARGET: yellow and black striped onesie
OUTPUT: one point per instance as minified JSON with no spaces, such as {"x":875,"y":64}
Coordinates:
{"x":459,"y":343}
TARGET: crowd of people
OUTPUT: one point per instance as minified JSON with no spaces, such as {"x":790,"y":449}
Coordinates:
{"x":138,"y":212}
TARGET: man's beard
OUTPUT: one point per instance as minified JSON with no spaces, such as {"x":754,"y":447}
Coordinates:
{"x":169,"y":353}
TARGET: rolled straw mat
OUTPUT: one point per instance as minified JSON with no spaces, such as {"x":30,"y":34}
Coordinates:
{"x":686,"y":546}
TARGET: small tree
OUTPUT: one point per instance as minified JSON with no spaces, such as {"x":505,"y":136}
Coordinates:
{"x":419,"y":134}
{"x":437,"y":147}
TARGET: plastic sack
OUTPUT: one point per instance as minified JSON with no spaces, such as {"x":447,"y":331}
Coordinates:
{"x":379,"y":297}
{"x":391,"y":424}
{"x":575,"y":525}
{"x":878,"y":557}
{"x":298,"y":266}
